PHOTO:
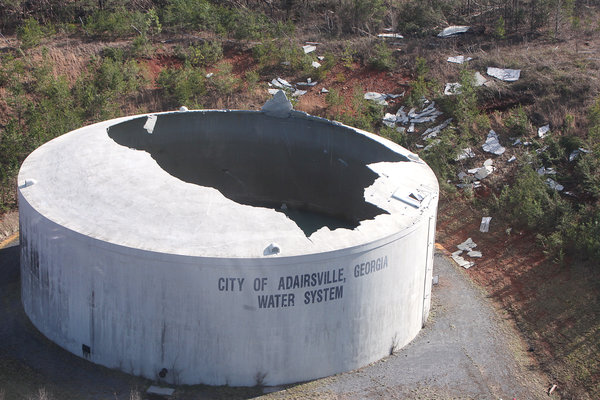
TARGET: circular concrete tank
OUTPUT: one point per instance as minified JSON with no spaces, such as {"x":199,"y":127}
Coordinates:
{"x":227,"y":247}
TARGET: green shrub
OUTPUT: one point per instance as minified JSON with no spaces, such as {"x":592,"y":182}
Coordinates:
{"x":224,"y":82}
{"x":530,"y":203}
{"x":420,"y":86}
{"x":205,"y":53}
{"x":115,"y":23}
{"x":382,"y":57}
{"x":518,"y":122}
{"x":30,"y":33}
{"x":183,"y":86}
{"x":420,"y":18}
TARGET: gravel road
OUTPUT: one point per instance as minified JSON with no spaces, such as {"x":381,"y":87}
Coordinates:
{"x":466,"y":351}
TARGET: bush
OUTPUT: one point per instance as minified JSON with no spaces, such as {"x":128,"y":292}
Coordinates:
{"x":530,"y":203}
{"x":420,"y":18}
{"x":115,"y":23}
{"x":183,"y":86}
{"x":518,"y":122}
{"x":382,"y":57}
{"x":205,"y":54}
{"x":30,"y":33}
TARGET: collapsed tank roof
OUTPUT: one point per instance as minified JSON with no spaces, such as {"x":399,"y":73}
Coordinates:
{"x":121,"y":181}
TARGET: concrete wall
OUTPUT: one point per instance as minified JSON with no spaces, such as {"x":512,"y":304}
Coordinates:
{"x":203,"y":318}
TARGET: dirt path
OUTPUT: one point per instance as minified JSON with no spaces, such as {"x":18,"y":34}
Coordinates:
{"x":465,"y":351}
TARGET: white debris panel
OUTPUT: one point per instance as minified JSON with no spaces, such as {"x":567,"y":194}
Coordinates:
{"x":575,"y":153}
{"x":459,"y":59}
{"x":453,"y":30}
{"x":433,"y":132}
{"x":503,"y":74}
{"x":492,"y":144}
{"x":552,"y":184}
{"x":485,"y":224}
{"x":390,"y":36}
{"x":452,"y":88}
{"x":309,"y":48}
{"x":464,"y":154}
{"x":543,"y":130}
{"x":381,"y":98}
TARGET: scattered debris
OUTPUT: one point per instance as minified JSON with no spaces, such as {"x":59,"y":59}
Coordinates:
{"x":459,"y":59}
{"x":464,"y":154}
{"x":541,"y":150}
{"x":320,"y":58}
{"x":467,"y":245}
{"x":316,"y":64}
{"x":273,"y":91}
{"x":552,"y":389}
{"x":435,"y":280}
{"x":484,"y":172}
{"x":281,"y":83}
{"x":413,"y":199}
{"x":432,"y":144}
{"x":480,"y":79}
{"x":552,"y":184}
{"x":378,"y":98}
{"x":546,"y":171}
{"x":160,"y":391}
{"x":308,"y":82}
{"x":309,"y":48}
{"x":475,"y":254}
{"x":575,"y":153}
{"x":323,"y":90}
{"x":390,"y":36}
{"x":453,"y":30}
{"x":381,"y":98}
{"x":209,"y":75}
{"x":507,"y":75}
{"x":183,"y":108}
{"x":461,"y":261}
{"x":452,"y":89}
{"x":150,"y":122}
{"x":543,"y":130}
{"x":433,"y":132}
{"x":510,"y":160}
{"x":298,"y":93}
{"x":492,"y":144}
{"x":389,"y":120}
{"x":485,"y":224}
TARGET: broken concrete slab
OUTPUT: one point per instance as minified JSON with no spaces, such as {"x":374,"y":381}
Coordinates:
{"x":459,"y":59}
{"x":504,"y":74}
{"x":452,"y":88}
{"x":575,"y":153}
{"x":543,"y":130}
{"x":461,"y":261}
{"x":433,"y":132}
{"x":278,"y":106}
{"x":298,"y":93}
{"x":378,"y":98}
{"x":160,"y":391}
{"x":390,"y":36}
{"x":467,"y":245}
{"x":492,"y":144}
{"x":475,"y":254}
{"x":484,"y":171}
{"x":464,"y":154}
{"x":552,"y":184}
{"x":480,"y":79}
{"x":389,"y":120}
{"x":309,"y":48}
{"x":453,"y":30}
{"x":485,"y":224}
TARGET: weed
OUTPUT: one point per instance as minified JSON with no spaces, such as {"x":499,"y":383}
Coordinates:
{"x":183,"y":86}
{"x":30,"y":33}
{"x":382,"y":58}
{"x":420,"y":87}
{"x":259,"y":378}
{"x":518,"y":122}
{"x":205,"y":54}
{"x":348,"y":56}
{"x":252,"y":78}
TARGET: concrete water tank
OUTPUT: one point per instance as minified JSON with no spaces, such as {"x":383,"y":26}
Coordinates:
{"x":227,"y":247}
